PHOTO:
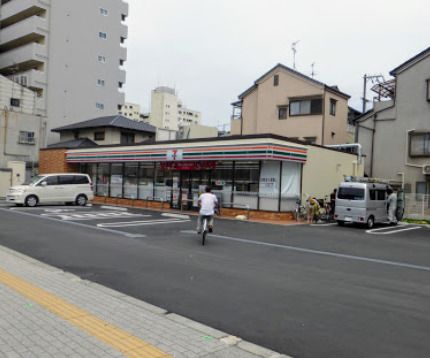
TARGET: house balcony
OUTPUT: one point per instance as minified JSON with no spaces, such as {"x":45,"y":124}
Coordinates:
{"x":32,"y":29}
{"x":32,"y":79}
{"x":15,"y":11}
{"x":22,"y":59}
{"x":123,"y":53}
{"x":124,"y":8}
{"x":122,"y":76}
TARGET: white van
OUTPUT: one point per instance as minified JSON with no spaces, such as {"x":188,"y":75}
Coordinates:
{"x":69,"y":188}
{"x":358,"y":202}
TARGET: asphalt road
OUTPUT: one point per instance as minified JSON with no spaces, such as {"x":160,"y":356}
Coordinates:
{"x":322,"y":291}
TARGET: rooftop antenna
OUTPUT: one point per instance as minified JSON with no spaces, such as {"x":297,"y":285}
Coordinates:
{"x":294,"y":49}
{"x":313,"y":70}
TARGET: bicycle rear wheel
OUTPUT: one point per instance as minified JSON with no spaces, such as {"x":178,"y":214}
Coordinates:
{"x":204,"y":237}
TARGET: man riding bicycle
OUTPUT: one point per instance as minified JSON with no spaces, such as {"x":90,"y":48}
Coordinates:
{"x":207,"y":203}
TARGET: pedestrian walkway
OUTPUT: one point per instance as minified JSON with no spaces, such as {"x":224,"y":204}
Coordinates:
{"x":46,"y":312}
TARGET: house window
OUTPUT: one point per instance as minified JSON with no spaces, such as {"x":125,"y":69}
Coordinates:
{"x":15,"y":102}
{"x":103,"y":12}
{"x":101,"y":59}
{"x":100,"y":105}
{"x":428,"y":89}
{"x":103,"y":35}
{"x":333,"y":106}
{"x":306,"y":107}
{"x":419,"y":145}
{"x":127,"y":138}
{"x":276,"y":80}
{"x":99,"y":135}
{"x":100,"y":83}
{"x":26,"y":138}
{"x":421,"y":190}
{"x":282,"y":112}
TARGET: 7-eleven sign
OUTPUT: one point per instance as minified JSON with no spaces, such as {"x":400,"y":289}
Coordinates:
{"x":175,"y":154}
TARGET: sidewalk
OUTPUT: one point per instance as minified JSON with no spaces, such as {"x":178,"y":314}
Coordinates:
{"x":46,"y":312}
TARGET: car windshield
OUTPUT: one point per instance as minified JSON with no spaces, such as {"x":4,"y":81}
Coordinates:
{"x":33,"y":180}
{"x":350,"y":193}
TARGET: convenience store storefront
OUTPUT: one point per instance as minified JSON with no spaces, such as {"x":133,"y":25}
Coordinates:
{"x":259,"y":173}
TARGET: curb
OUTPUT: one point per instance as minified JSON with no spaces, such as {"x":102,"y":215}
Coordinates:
{"x":223,"y":337}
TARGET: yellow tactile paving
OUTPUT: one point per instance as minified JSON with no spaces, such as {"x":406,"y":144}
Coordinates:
{"x":120,"y":340}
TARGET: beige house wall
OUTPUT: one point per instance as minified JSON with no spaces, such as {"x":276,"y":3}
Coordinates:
{"x":260,"y":110}
{"x":325,"y":169}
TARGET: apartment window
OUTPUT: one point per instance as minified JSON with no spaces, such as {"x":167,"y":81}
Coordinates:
{"x":276,"y":80}
{"x":99,"y":135}
{"x":103,"y":35}
{"x":419,"y":145}
{"x":282,"y":112}
{"x":304,"y":107}
{"x":123,"y":17}
{"x":26,"y":137}
{"x":100,"y":105}
{"x":122,"y":39}
{"x":333,"y":106}
{"x":120,"y":84}
{"x":121,"y":62}
{"x":15,"y":102}
{"x":428,"y":89}
{"x":127,"y":138}
{"x":100,"y":83}
{"x":101,"y":59}
{"x":103,"y":11}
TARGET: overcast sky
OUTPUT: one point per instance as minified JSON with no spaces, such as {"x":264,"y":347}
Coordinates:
{"x":212,"y":50}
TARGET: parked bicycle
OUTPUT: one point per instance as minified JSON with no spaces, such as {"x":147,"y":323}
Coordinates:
{"x":299,"y":211}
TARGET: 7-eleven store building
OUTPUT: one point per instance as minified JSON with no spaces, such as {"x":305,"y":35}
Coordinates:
{"x":263,"y":173}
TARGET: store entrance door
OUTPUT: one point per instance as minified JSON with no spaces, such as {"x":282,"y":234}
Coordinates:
{"x":193,"y":183}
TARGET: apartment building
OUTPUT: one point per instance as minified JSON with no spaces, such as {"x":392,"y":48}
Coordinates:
{"x":71,"y":53}
{"x":131,"y":111}
{"x":395,"y":134}
{"x":286,"y":102}
{"x":168,"y":112}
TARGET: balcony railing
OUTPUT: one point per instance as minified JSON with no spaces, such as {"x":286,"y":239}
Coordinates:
{"x":18,"y":10}
{"x":22,"y":58}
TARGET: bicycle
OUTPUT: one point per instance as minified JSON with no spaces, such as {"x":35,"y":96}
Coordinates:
{"x":299,"y":211}
{"x":205,"y":220}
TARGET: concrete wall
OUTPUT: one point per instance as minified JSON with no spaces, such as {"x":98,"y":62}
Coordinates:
{"x":325,"y":170}
{"x":260,"y":110}
{"x":131,"y":111}
{"x":410,"y":111}
{"x":194,"y":131}
{"x":5,"y":181}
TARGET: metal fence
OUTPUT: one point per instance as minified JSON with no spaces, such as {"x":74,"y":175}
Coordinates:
{"x":417,"y":206}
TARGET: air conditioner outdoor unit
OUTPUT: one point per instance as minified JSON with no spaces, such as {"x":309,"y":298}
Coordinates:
{"x":426,"y":169}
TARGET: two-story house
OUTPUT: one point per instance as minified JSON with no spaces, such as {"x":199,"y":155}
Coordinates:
{"x":395,"y":134}
{"x":108,"y":130}
{"x":288,"y":103}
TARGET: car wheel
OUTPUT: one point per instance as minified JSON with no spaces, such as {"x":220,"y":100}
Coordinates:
{"x":81,"y":200}
{"x":370,"y":222}
{"x":31,"y":201}
{"x":340,"y":222}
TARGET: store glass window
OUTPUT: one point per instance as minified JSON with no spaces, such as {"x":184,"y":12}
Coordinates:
{"x":245,"y":192}
{"x":290,"y":185}
{"x":163,"y":183}
{"x":130,"y":180}
{"x":222,"y":181}
{"x":146,"y":180}
{"x":103,"y":173}
{"x":269,"y":185}
{"x":91,"y":170}
{"x":116,"y":180}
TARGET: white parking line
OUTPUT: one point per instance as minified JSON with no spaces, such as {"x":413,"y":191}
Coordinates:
{"x":142,"y":223}
{"x":113,"y":208}
{"x":391,"y":230}
{"x":122,"y":233}
{"x":95,"y":215}
{"x":177,"y":216}
{"x":317,"y":252}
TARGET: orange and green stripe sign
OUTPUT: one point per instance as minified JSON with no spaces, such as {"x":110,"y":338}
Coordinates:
{"x":231,"y":152}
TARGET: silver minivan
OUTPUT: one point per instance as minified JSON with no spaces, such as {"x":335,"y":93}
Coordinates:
{"x":364,"y":203}
{"x":69,"y":188}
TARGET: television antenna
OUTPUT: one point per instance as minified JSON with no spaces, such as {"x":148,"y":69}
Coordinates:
{"x":313,"y":73}
{"x":294,"y":49}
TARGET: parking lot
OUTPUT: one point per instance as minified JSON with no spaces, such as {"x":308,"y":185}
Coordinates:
{"x":307,"y":291}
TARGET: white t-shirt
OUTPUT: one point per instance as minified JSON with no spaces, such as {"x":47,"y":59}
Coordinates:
{"x":208,"y":202}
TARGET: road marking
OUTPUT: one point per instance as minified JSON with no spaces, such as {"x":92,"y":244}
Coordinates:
{"x":93,"y":227}
{"x":317,"y":252}
{"x":178,"y":216}
{"x":113,"y":208}
{"x":391,"y":230}
{"x":328,"y":224}
{"x":95,"y":215}
{"x":142,"y":223}
{"x":115,"y":337}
